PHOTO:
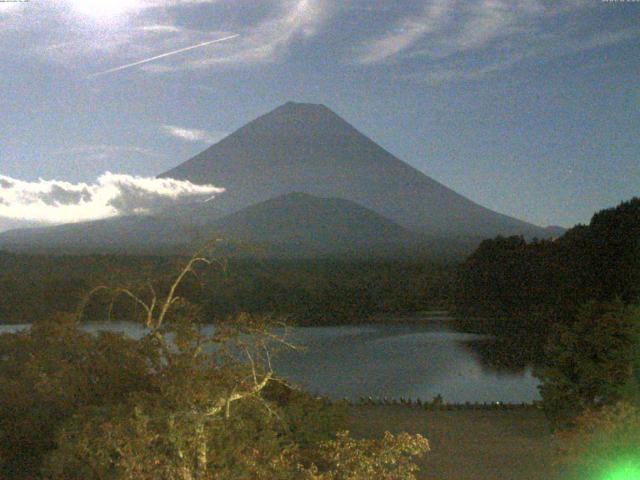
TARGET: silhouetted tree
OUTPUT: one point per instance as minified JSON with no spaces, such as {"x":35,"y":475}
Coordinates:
{"x":591,"y":362}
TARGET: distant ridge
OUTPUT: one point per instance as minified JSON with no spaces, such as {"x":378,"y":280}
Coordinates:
{"x":308,"y":148}
{"x":301,"y":224}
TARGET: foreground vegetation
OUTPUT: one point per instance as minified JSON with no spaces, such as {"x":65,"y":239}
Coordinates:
{"x":175,"y":404}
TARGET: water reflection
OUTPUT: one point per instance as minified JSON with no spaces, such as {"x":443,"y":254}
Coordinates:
{"x":417,"y":360}
{"x":393,"y":361}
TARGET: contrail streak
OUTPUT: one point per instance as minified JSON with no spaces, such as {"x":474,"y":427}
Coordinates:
{"x":163,"y":55}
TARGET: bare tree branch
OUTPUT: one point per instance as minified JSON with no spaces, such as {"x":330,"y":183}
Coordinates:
{"x":171,"y":295}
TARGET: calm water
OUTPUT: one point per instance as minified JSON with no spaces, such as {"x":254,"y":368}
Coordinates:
{"x":392,"y":361}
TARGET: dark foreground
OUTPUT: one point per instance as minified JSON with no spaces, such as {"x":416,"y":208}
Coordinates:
{"x":469,"y":444}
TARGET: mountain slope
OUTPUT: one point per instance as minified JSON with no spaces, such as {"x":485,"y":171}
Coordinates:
{"x":298,"y":223}
{"x":295,"y":224}
{"x":308,"y":148}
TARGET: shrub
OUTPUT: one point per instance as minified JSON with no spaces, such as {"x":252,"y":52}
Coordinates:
{"x":345,"y":458}
{"x":603,"y":441}
{"x":150,"y":439}
{"x":589,"y":363}
{"x":50,"y":371}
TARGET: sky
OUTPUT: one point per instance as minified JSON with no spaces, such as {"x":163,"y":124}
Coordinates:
{"x":530,"y":108}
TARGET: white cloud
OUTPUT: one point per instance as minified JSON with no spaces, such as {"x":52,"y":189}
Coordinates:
{"x":191,"y":134}
{"x":55,"y":201}
{"x":9,"y":8}
{"x":479,"y":34}
{"x":448,"y":27}
{"x":491,"y":19}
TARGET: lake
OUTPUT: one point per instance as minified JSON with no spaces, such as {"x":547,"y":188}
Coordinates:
{"x":404,"y":360}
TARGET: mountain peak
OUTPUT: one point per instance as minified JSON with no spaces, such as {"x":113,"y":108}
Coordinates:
{"x":304,"y":110}
{"x":294,"y":119}
{"x":303,"y":107}
{"x":306,"y":147}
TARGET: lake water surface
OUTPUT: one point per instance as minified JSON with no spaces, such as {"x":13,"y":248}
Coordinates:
{"x":408,"y":360}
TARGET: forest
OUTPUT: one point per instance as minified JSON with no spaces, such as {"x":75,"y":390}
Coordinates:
{"x":520,"y":289}
{"x":305,"y":292}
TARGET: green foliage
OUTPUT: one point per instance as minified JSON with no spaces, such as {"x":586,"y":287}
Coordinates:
{"x":508,"y":276}
{"x":323,"y":292}
{"x":49,"y":372}
{"x":307,"y":420}
{"x":519,"y":290}
{"x":614,"y":252}
{"x":35,"y":287}
{"x":604,"y":444}
{"x":154,"y":439}
{"x":208,"y":419}
{"x":190,"y":429}
{"x":590,"y":363}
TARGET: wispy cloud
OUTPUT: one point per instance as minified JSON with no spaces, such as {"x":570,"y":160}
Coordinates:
{"x":160,"y":28}
{"x":489,"y":20}
{"x":449,"y":27}
{"x":469,"y":40}
{"x":269,"y":39}
{"x":546,"y":50}
{"x":405,"y":34}
{"x":55,"y":201}
{"x":191,"y":134}
{"x":478,"y":35}
{"x":7,"y":8}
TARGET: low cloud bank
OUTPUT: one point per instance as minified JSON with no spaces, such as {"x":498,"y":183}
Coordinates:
{"x":55,"y":201}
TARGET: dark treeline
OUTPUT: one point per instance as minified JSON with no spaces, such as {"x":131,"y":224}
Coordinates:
{"x":520,"y":289}
{"x":36,"y":286}
{"x":322,"y":291}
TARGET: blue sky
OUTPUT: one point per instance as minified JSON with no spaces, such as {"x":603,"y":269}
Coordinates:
{"x":531,"y":108}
